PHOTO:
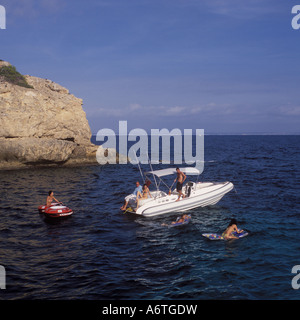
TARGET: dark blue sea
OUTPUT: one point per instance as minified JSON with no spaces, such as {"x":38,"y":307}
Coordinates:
{"x":100,"y":253}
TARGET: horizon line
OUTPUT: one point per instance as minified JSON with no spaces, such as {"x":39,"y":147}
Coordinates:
{"x":239,"y":134}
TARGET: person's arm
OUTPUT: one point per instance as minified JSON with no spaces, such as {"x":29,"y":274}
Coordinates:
{"x":237,"y":230}
{"x":184,"y":177}
{"x":56,"y":200}
{"x":148,"y":193}
{"x":234,"y":228}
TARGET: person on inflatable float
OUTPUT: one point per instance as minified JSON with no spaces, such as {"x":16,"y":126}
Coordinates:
{"x":232,"y":227}
{"x":50,"y":198}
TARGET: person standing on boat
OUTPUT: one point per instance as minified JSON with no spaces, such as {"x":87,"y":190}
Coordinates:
{"x":180,"y":179}
{"x":50,"y":198}
{"x":135,"y":192}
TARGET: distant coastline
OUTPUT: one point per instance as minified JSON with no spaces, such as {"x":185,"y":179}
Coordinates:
{"x":240,"y":134}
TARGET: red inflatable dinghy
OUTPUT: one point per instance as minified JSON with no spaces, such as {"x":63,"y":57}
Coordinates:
{"x":43,"y":207}
{"x":58,"y":211}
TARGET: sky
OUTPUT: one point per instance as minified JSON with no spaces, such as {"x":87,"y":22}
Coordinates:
{"x":225,"y":66}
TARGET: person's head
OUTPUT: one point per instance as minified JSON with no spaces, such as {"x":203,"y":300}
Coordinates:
{"x":232,"y":221}
{"x":148,"y":182}
{"x":177,"y":169}
{"x":145,"y":186}
{"x":137,"y":183}
{"x":50,"y":193}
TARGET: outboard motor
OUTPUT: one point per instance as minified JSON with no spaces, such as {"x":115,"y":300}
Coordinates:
{"x":188,"y":189}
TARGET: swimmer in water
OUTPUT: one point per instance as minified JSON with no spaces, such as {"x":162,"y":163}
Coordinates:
{"x":181,"y":219}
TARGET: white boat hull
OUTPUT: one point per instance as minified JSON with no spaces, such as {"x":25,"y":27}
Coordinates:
{"x":197,"y":195}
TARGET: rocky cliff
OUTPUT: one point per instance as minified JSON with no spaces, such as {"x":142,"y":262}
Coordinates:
{"x":42,"y":124}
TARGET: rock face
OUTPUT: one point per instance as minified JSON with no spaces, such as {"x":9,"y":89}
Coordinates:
{"x":4,"y":64}
{"x":45,"y":125}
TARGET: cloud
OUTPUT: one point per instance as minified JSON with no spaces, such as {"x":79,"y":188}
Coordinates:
{"x":135,"y":106}
{"x":165,"y":111}
{"x":237,"y":8}
{"x":176,"y":110}
{"x":33,"y":8}
{"x":210,"y":110}
{"x":289,"y":110}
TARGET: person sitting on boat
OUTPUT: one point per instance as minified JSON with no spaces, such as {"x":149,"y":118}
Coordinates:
{"x":50,"y":198}
{"x":232,"y":227}
{"x":180,"y":179}
{"x":135,"y":192}
{"x":145,"y":194}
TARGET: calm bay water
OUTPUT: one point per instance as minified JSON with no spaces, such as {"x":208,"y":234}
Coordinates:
{"x":100,"y":253}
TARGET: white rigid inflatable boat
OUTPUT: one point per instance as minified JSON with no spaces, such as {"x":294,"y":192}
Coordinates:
{"x":197,"y":194}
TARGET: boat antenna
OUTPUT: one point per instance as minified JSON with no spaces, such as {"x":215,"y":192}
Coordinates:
{"x":138,"y":163}
{"x":170,"y":189}
{"x":150,"y":164}
{"x":199,"y":173}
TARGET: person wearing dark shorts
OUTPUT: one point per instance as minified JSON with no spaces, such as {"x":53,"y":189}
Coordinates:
{"x":179,"y":186}
{"x":180,"y":179}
